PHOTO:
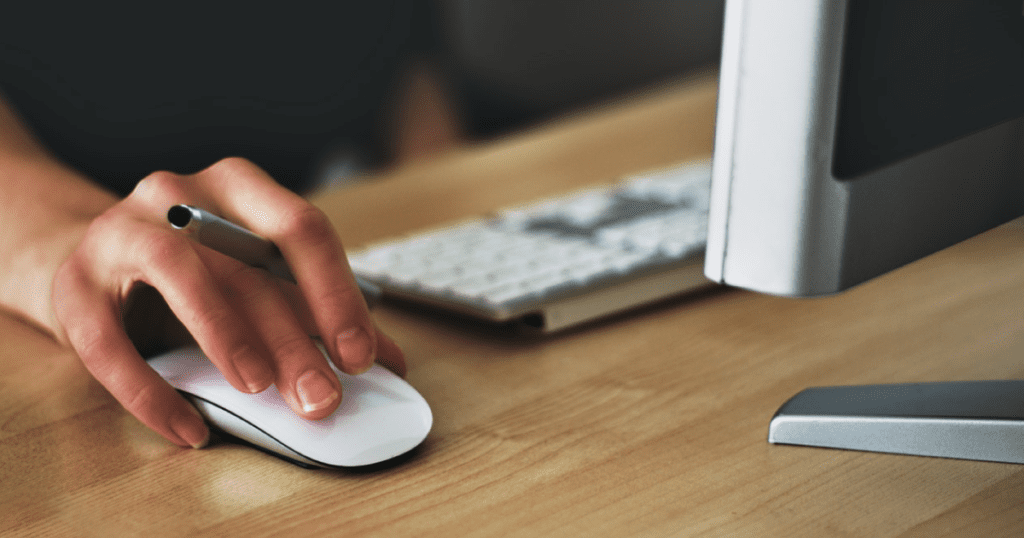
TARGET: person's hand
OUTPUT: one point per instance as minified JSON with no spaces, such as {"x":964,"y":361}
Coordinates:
{"x":255,"y":328}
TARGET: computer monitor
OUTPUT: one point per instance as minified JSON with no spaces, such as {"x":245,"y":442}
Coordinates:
{"x":853,"y":137}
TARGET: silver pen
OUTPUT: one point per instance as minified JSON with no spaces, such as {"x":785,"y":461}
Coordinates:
{"x":241,"y":244}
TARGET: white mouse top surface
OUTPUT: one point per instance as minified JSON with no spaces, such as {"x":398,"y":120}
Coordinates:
{"x":381,"y":416}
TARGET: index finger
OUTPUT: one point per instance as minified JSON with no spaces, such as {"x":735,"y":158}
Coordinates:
{"x":94,"y":330}
{"x":314,"y":253}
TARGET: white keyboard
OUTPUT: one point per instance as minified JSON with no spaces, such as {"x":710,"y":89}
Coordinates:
{"x":558,"y":262}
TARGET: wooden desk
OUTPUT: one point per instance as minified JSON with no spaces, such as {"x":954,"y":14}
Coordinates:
{"x":649,"y":424}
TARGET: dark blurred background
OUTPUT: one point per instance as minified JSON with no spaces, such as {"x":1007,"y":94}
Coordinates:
{"x":517,"y":62}
{"x":313,"y":90}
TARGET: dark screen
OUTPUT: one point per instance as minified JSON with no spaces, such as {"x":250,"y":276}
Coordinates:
{"x":920,"y":73}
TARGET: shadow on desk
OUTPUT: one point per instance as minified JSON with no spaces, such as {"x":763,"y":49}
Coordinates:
{"x":517,"y":333}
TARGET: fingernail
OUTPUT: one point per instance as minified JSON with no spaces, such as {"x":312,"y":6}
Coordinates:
{"x":356,"y":350}
{"x":191,"y":428}
{"x":256,"y":376}
{"x":315,"y":391}
{"x":256,"y":387}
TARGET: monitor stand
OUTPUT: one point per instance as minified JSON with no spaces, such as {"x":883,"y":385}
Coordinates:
{"x":974,"y":420}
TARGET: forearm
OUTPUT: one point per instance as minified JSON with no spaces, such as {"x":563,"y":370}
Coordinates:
{"x":45,"y":207}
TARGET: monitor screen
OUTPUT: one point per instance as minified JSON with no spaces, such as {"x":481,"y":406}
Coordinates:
{"x":920,"y":74}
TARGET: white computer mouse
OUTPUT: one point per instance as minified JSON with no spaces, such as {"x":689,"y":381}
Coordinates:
{"x":381,"y":416}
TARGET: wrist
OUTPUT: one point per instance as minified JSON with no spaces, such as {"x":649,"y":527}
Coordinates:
{"x":50,"y":209}
{"x":26,"y":287}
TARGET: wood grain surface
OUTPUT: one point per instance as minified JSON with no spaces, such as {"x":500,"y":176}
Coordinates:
{"x":652,"y":423}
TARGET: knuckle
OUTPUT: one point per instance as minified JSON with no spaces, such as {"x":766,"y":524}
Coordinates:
{"x":307,"y":223}
{"x":138,"y":400}
{"x":106,"y":227}
{"x":94,"y":351}
{"x":287,"y":349}
{"x":211,"y":321}
{"x":232,"y":166}
{"x":159,"y":185}
{"x":89,"y":344}
{"x":103,"y":221}
{"x":340,"y":294}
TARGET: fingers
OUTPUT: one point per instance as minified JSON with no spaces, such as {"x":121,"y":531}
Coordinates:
{"x":253,"y":327}
{"x":196,"y":299}
{"x":313,"y":251}
{"x":302,"y":232}
{"x":303,"y":377}
{"x":92,"y":324}
{"x":124,"y":251}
